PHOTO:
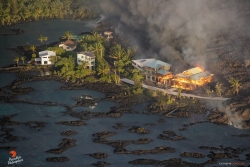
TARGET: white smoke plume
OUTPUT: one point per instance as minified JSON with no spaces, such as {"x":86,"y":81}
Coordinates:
{"x":178,"y":30}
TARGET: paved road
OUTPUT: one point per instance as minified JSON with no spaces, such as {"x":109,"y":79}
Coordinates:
{"x":172,"y":91}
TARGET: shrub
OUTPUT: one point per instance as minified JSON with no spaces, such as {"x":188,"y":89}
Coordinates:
{"x":90,"y":79}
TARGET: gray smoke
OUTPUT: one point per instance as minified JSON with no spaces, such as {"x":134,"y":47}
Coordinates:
{"x":178,"y":30}
{"x":231,"y":114}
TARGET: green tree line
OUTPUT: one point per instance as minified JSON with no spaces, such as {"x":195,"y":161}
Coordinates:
{"x":14,"y":11}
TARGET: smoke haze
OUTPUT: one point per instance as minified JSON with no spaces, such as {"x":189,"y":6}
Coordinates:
{"x":178,"y":30}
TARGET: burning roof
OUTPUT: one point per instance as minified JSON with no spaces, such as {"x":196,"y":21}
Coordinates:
{"x":195,"y":73}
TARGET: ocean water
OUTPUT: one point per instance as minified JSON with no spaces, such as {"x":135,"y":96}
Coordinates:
{"x":32,"y":145}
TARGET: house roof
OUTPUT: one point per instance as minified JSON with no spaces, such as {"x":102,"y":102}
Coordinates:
{"x":194,"y":73}
{"x":69,"y":43}
{"x":199,"y":75}
{"x":142,"y":62}
{"x":90,"y":54}
{"x":156,"y":64}
{"x":46,"y":53}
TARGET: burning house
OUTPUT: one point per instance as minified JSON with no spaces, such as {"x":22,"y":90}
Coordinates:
{"x":154,"y":70}
{"x":192,"y":78}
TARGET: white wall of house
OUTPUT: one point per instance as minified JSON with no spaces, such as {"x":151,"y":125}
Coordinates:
{"x":67,"y":48}
{"x":45,"y":57}
{"x":89,"y":59}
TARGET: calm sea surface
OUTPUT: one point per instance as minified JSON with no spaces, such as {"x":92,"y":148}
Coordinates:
{"x":33,"y":148}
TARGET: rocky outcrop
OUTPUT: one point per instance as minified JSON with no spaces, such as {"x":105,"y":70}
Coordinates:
{"x":142,"y":141}
{"x":138,"y":129}
{"x":156,"y":150}
{"x":63,"y":146}
{"x":98,"y":155}
{"x":100,"y":164}
{"x":192,"y":154}
{"x":72,"y":123}
{"x":35,"y":125}
{"x":57,"y":159}
{"x":68,"y":133}
{"x":103,"y":134}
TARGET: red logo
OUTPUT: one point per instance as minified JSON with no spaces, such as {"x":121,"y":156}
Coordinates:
{"x":13,"y":153}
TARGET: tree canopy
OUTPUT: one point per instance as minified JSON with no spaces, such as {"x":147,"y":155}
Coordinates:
{"x":14,"y":11}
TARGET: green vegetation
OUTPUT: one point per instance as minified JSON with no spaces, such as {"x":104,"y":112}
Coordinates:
{"x":33,"y":49}
{"x":16,"y":59}
{"x":235,"y":84}
{"x":68,"y":35}
{"x":14,"y":11}
{"x":42,"y":38}
{"x":23,"y":58}
{"x":218,"y":89}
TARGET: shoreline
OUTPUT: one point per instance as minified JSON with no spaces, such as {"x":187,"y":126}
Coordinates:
{"x":119,"y":146}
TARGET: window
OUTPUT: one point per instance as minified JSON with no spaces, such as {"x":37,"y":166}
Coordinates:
{"x":82,"y":57}
{"x":45,"y":62}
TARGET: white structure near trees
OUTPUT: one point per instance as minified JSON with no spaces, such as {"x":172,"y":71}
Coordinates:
{"x":88,"y":57}
{"x":44,"y":57}
{"x":68,"y":45}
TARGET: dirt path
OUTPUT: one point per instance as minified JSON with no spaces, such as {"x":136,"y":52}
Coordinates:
{"x":172,"y":91}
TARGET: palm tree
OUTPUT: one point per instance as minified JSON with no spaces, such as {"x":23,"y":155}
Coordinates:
{"x":179,"y":93}
{"x":23,"y":58}
{"x":83,"y":65}
{"x":45,"y":38}
{"x":218,"y":89}
{"x":33,"y":48}
{"x":208,"y":91}
{"x":235,"y":84}
{"x":16,"y":59}
{"x":67,"y":35}
{"x":117,"y":52}
{"x":41,"y":38}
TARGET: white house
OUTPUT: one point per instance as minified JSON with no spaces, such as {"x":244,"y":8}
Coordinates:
{"x":89,"y":57}
{"x":154,"y":70}
{"x":44,"y":57}
{"x":68,"y":45}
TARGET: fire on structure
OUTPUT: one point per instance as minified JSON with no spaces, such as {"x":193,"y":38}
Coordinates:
{"x":159,"y":71}
{"x":192,"y":78}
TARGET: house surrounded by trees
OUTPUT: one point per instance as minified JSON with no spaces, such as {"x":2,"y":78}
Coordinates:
{"x":44,"y":57}
{"x":68,"y":45}
{"x":88,"y":57}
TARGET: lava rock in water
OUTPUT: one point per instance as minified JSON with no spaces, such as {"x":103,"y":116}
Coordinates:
{"x":142,"y":141}
{"x":169,"y":133}
{"x":164,"y":137}
{"x":161,"y":120}
{"x":100,"y":164}
{"x":72,"y":123}
{"x":119,"y":126}
{"x":68,"y":133}
{"x":192,"y":154}
{"x":178,"y":138}
{"x":98,"y":155}
{"x":36,"y":125}
{"x":138,"y":129}
{"x":63,"y":146}
{"x":103,"y":134}
{"x":57,"y":159}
